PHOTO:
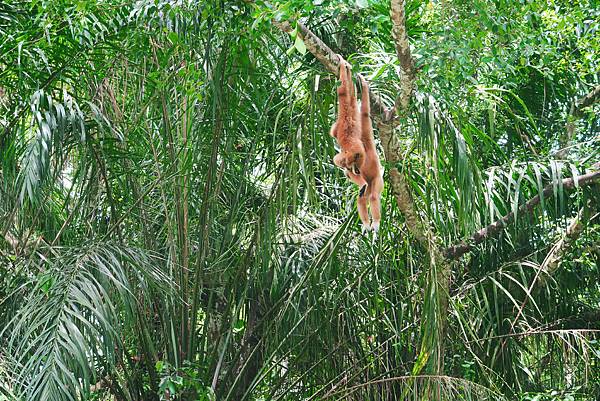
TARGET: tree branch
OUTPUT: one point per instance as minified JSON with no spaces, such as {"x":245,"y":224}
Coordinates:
{"x":561,"y":247}
{"x":391,"y":147}
{"x":458,"y":250}
{"x":575,"y":113}
{"x":407,"y":64}
{"x":550,"y":263}
{"x":586,"y":101}
{"x":435,"y":309}
{"x":399,"y":186}
{"x":330,"y":60}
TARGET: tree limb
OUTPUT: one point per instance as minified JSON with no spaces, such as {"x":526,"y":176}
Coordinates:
{"x":560,"y":248}
{"x":575,"y":113}
{"x":435,"y":309}
{"x":399,"y":186}
{"x":407,"y":64}
{"x":586,"y":101}
{"x":458,"y":250}
{"x":550,"y":263}
{"x":391,"y":147}
{"x":330,"y":60}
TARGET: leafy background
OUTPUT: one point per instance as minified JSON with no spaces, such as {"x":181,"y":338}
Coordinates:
{"x":173,"y":226}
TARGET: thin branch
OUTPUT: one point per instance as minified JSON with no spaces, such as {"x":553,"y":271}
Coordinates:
{"x":586,"y":101}
{"x":576,"y":113}
{"x":330,"y":60}
{"x":458,"y":250}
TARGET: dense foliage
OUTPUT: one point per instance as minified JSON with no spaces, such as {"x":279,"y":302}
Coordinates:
{"x":172,"y":225}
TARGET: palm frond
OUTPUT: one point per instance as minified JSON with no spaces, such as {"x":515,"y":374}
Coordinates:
{"x":67,"y":332}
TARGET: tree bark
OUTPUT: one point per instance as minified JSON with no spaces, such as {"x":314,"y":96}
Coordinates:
{"x":586,"y":101}
{"x":407,"y":64}
{"x":434,"y":320}
{"x":492,"y":230}
{"x":561,"y":247}
{"x":330,"y":61}
{"x":575,"y":113}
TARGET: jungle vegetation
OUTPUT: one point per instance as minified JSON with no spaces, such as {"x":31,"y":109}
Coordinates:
{"x":172,"y":226}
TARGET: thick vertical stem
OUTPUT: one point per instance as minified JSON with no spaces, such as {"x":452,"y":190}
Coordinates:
{"x":399,"y":186}
{"x":407,"y":64}
{"x":435,"y":310}
{"x":185,"y":254}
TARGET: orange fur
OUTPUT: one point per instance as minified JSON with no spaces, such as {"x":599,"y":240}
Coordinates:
{"x":371,"y":167}
{"x":358,"y":156}
{"x":347,"y":127}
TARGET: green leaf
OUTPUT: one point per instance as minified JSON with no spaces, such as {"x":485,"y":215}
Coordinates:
{"x":172,"y":389}
{"x":239,"y":325}
{"x":173,"y":37}
{"x":299,"y":45}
